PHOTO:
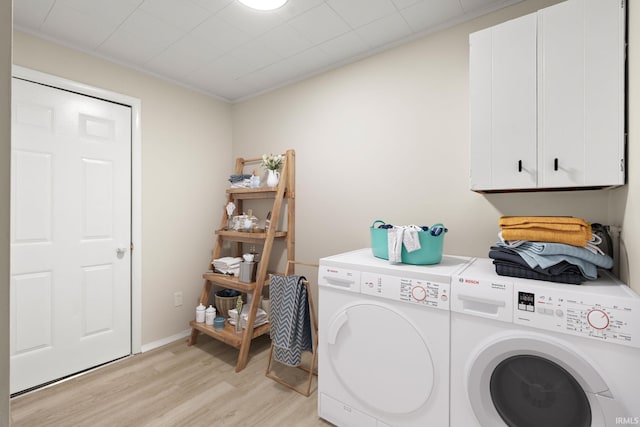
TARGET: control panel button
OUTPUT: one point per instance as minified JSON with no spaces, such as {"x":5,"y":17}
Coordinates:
{"x":559,"y":312}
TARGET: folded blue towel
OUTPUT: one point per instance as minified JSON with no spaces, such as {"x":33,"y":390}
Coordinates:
{"x":290,"y":320}
{"x":545,"y":255}
{"x":545,"y":248}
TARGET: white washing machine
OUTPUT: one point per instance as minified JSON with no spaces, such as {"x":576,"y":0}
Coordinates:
{"x":528,"y":353}
{"x":383,"y":356}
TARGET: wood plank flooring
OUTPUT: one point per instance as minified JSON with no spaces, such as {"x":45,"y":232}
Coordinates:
{"x":174,"y":385}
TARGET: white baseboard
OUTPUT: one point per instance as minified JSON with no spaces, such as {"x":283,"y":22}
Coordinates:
{"x":164,"y":341}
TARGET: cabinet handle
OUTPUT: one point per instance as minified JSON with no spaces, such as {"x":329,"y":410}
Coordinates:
{"x":519,"y":165}
{"x":555,"y":164}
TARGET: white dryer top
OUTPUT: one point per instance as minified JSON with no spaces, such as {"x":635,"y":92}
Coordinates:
{"x":363,"y":260}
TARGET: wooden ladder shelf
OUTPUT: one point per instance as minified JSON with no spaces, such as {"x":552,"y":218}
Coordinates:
{"x":284,"y":191}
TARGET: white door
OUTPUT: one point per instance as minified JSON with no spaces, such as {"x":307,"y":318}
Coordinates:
{"x":70,"y":233}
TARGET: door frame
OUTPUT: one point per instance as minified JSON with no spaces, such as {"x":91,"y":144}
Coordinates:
{"x":136,"y":180}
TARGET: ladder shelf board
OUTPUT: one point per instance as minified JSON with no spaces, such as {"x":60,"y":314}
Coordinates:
{"x":232,"y":282}
{"x":255,"y":193}
{"x":228,"y":335}
{"x":248,"y":237}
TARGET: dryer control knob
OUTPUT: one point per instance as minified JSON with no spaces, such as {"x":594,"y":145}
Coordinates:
{"x":419,"y":293}
{"x":559,"y":312}
{"x":598,"y":319}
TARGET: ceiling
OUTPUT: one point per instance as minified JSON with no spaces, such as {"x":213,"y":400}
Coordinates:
{"x":226,"y":50}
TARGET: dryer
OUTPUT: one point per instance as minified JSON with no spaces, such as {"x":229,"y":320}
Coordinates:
{"x":383,"y":352}
{"x":528,"y":353}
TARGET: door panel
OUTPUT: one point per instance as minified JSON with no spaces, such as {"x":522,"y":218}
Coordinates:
{"x":71,"y":204}
{"x":503,"y":112}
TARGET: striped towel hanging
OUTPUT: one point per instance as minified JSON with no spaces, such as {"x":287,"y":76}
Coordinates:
{"x":290,"y":321}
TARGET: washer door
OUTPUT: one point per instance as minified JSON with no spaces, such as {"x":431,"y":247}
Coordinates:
{"x":527,"y":380}
{"x":380,"y":358}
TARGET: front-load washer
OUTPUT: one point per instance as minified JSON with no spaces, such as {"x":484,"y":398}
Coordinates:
{"x":529,"y":353}
{"x":383,"y":352}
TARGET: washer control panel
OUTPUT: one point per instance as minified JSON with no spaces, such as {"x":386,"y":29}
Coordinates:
{"x":417,"y":291}
{"x":601,"y":316}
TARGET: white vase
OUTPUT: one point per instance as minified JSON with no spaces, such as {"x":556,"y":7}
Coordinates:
{"x":273,"y":178}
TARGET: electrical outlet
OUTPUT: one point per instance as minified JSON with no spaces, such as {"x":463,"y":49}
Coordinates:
{"x":177,"y":299}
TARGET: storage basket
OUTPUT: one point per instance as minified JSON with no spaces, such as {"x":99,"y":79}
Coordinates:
{"x":430,"y":251}
{"x":224,"y":301}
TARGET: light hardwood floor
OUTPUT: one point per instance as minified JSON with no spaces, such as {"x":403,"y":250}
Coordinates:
{"x":174,"y":385}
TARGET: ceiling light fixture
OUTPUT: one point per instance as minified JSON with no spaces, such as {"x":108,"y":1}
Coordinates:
{"x":263,"y":4}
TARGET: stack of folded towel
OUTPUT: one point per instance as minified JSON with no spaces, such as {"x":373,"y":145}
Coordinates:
{"x":261,"y":317}
{"x":240,"y":180}
{"x":227,"y":265}
{"x":556,"y":249}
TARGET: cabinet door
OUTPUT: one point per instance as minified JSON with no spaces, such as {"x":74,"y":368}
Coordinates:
{"x":502,"y":66}
{"x":581,"y":95}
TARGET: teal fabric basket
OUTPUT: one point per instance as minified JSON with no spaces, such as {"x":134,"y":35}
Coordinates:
{"x":430,"y":251}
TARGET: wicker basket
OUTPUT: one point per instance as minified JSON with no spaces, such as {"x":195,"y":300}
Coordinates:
{"x":224,"y":304}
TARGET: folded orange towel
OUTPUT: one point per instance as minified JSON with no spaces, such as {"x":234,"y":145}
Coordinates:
{"x":568,"y":230}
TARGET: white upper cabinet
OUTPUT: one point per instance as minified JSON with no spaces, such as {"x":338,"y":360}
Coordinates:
{"x":547,"y":99}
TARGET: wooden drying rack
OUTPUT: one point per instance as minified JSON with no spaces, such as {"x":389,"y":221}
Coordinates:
{"x":314,"y":324}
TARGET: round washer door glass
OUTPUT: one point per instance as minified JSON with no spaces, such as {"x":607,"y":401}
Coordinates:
{"x":380,"y":358}
{"x":529,"y":391}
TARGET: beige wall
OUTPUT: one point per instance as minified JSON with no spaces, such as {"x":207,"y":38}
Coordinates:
{"x":186,"y":153}
{"x":5,"y":162}
{"x":387,"y":137}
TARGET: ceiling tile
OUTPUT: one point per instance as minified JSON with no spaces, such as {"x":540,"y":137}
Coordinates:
{"x":485,"y":5}
{"x":214,"y":5}
{"x":70,"y":25}
{"x":319,"y":24}
{"x":309,"y":61}
{"x":220,"y":34}
{"x":113,"y":12}
{"x":294,"y":8}
{"x":344,"y":46}
{"x":423,"y":15}
{"x":255,"y":55}
{"x":139,"y":39}
{"x":185,"y":14}
{"x":360,"y":12}
{"x":384,"y":31}
{"x":285,"y":41}
{"x":226,"y":67}
{"x":31,"y":14}
{"x":187,"y":54}
{"x":403,"y":4}
{"x":293,"y":68}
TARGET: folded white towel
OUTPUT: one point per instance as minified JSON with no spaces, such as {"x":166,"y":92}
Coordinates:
{"x":228,"y":264}
{"x":261,"y":317}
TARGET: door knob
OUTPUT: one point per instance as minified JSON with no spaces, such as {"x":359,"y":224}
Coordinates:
{"x":121,"y":251}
